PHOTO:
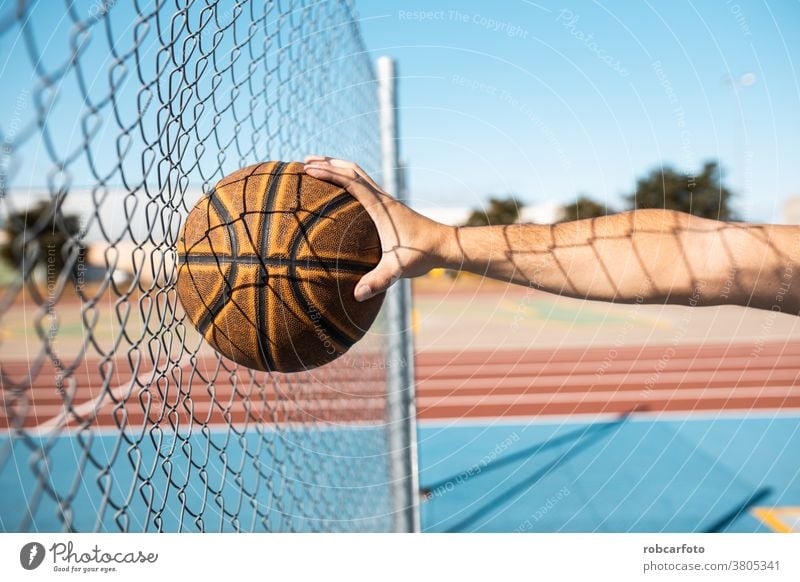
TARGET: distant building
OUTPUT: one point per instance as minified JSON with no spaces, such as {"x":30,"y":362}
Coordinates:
{"x":545,"y":213}
{"x":791,"y":210}
{"x":446,"y":215}
{"x":131,"y":227}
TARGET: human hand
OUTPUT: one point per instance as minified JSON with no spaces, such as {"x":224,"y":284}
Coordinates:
{"x":412,"y":244}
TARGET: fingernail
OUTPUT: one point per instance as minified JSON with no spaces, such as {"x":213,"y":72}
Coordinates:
{"x":363,"y":292}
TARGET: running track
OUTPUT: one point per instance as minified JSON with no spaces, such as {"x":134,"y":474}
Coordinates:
{"x":450,"y":385}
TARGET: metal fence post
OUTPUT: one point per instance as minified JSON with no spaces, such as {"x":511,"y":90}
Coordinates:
{"x":401,"y":407}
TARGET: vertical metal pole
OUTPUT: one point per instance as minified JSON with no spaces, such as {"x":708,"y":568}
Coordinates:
{"x":401,"y":406}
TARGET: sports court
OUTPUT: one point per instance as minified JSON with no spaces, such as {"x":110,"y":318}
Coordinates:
{"x":531,"y":412}
{"x":588,"y":417}
{"x":666,"y":428}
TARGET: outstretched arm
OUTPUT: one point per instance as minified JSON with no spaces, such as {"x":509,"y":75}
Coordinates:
{"x":646,"y":256}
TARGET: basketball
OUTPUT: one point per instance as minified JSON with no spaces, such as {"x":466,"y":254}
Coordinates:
{"x":268,"y":262}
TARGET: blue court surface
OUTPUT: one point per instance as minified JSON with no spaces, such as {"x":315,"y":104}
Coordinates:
{"x":211,"y":480}
{"x":672,"y":474}
{"x":714,"y":473}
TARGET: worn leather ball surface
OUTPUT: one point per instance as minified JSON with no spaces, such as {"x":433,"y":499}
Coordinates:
{"x":268,"y":262}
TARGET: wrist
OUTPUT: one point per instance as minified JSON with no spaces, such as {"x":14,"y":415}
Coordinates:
{"x":446,"y":251}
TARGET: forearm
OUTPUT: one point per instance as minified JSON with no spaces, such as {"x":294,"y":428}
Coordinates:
{"x":648,"y":256}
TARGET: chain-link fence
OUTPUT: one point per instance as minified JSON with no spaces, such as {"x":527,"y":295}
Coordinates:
{"x":116,"y":117}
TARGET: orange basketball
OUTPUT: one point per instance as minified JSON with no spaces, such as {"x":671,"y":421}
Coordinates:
{"x":268,"y":262}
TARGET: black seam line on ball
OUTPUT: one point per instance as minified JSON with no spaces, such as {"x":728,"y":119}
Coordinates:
{"x":255,"y":173}
{"x":333,"y":331}
{"x":274,"y":172}
{"x":327,"y":264}
{"x":190,"y":250}
{"x":262,"y":332}
{"x":222,"y":298}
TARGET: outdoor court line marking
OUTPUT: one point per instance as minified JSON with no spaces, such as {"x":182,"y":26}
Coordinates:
{"x":581,"y":418}
{"x":721,"y":364}
{"x":783,"y":347}
{"x":217,"y":427}
{"x":613,"y":379}
{"x":198,"y":406}
{"x":653,"y":395}
{"x":771,"y":517}
{"x":590,"y":417}
{"x":198,"y":393}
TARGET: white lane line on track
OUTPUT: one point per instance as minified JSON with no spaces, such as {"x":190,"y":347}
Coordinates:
{"x":654,"y":395}
{"x":592,"y":417}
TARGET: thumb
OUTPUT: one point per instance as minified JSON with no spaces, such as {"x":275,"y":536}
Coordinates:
{"x":376,"y":281}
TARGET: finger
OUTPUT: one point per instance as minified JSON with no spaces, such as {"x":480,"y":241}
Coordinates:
{"x":347,"y":179}
{"x":344,"y":165}
{"x":376,"y":281}
{"x":316,"y":158}
{"x":376,"y":202}
{"x":325,"y":171}
{"x":348,"y":165}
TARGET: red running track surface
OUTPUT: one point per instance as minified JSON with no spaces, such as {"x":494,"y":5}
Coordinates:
{"x":450,"y":385}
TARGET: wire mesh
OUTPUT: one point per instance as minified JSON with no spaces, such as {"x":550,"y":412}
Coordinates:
{"x":119,"y":115}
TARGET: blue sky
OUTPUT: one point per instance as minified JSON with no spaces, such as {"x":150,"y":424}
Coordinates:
{"x":542,"y":100}
{"x":551,"y":100}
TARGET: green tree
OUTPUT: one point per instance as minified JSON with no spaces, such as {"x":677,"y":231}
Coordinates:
{"x":584,"y":207}
{"x":51,"y":241}
{"x":702,"y":195}
{"x":499,"y":211}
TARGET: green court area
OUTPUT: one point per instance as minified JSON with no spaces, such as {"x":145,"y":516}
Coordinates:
{"x":448,"y":315}
{"x":483,"y":314}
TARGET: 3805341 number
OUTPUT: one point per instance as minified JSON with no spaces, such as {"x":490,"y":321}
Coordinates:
{"x":755,"y":565}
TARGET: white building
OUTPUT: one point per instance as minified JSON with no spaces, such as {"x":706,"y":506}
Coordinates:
{"x":791,"y":210}
{"x":545,"y":213}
